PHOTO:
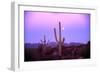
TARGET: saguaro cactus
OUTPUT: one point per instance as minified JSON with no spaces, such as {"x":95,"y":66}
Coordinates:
{"x":44,"y":45}
{"x":59,"y":39}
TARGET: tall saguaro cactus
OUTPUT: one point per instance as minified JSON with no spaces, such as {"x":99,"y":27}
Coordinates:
{"x":59,"y":39}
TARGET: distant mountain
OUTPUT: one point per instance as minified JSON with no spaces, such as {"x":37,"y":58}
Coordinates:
{"x":35,"y":45}
{"x":28,"y":45}
{"x":51,"y":44}
{"x":75,"y":44}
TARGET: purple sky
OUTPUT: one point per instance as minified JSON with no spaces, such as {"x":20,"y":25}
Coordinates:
{"x":75,"y":26}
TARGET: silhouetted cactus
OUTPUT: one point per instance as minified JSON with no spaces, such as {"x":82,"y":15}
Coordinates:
{"x":59,"y":40}
{"x":44,"y":45}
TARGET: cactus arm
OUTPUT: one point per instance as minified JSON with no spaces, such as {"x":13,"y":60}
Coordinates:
{"x":55,"y":34}
{"x":63,"y":40}
{"x":59,"y":32}
{"x":41,"y":41}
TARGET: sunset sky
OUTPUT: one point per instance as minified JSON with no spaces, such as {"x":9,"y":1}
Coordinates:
{"x":75,"y":26}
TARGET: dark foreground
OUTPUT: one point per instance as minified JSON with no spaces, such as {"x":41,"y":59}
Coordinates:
{"x":81,"y":51}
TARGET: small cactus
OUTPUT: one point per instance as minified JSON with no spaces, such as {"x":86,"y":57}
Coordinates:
{"x":44,"y":45}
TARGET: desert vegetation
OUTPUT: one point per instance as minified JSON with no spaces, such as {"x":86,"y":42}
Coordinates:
{"x":57,"y":50}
